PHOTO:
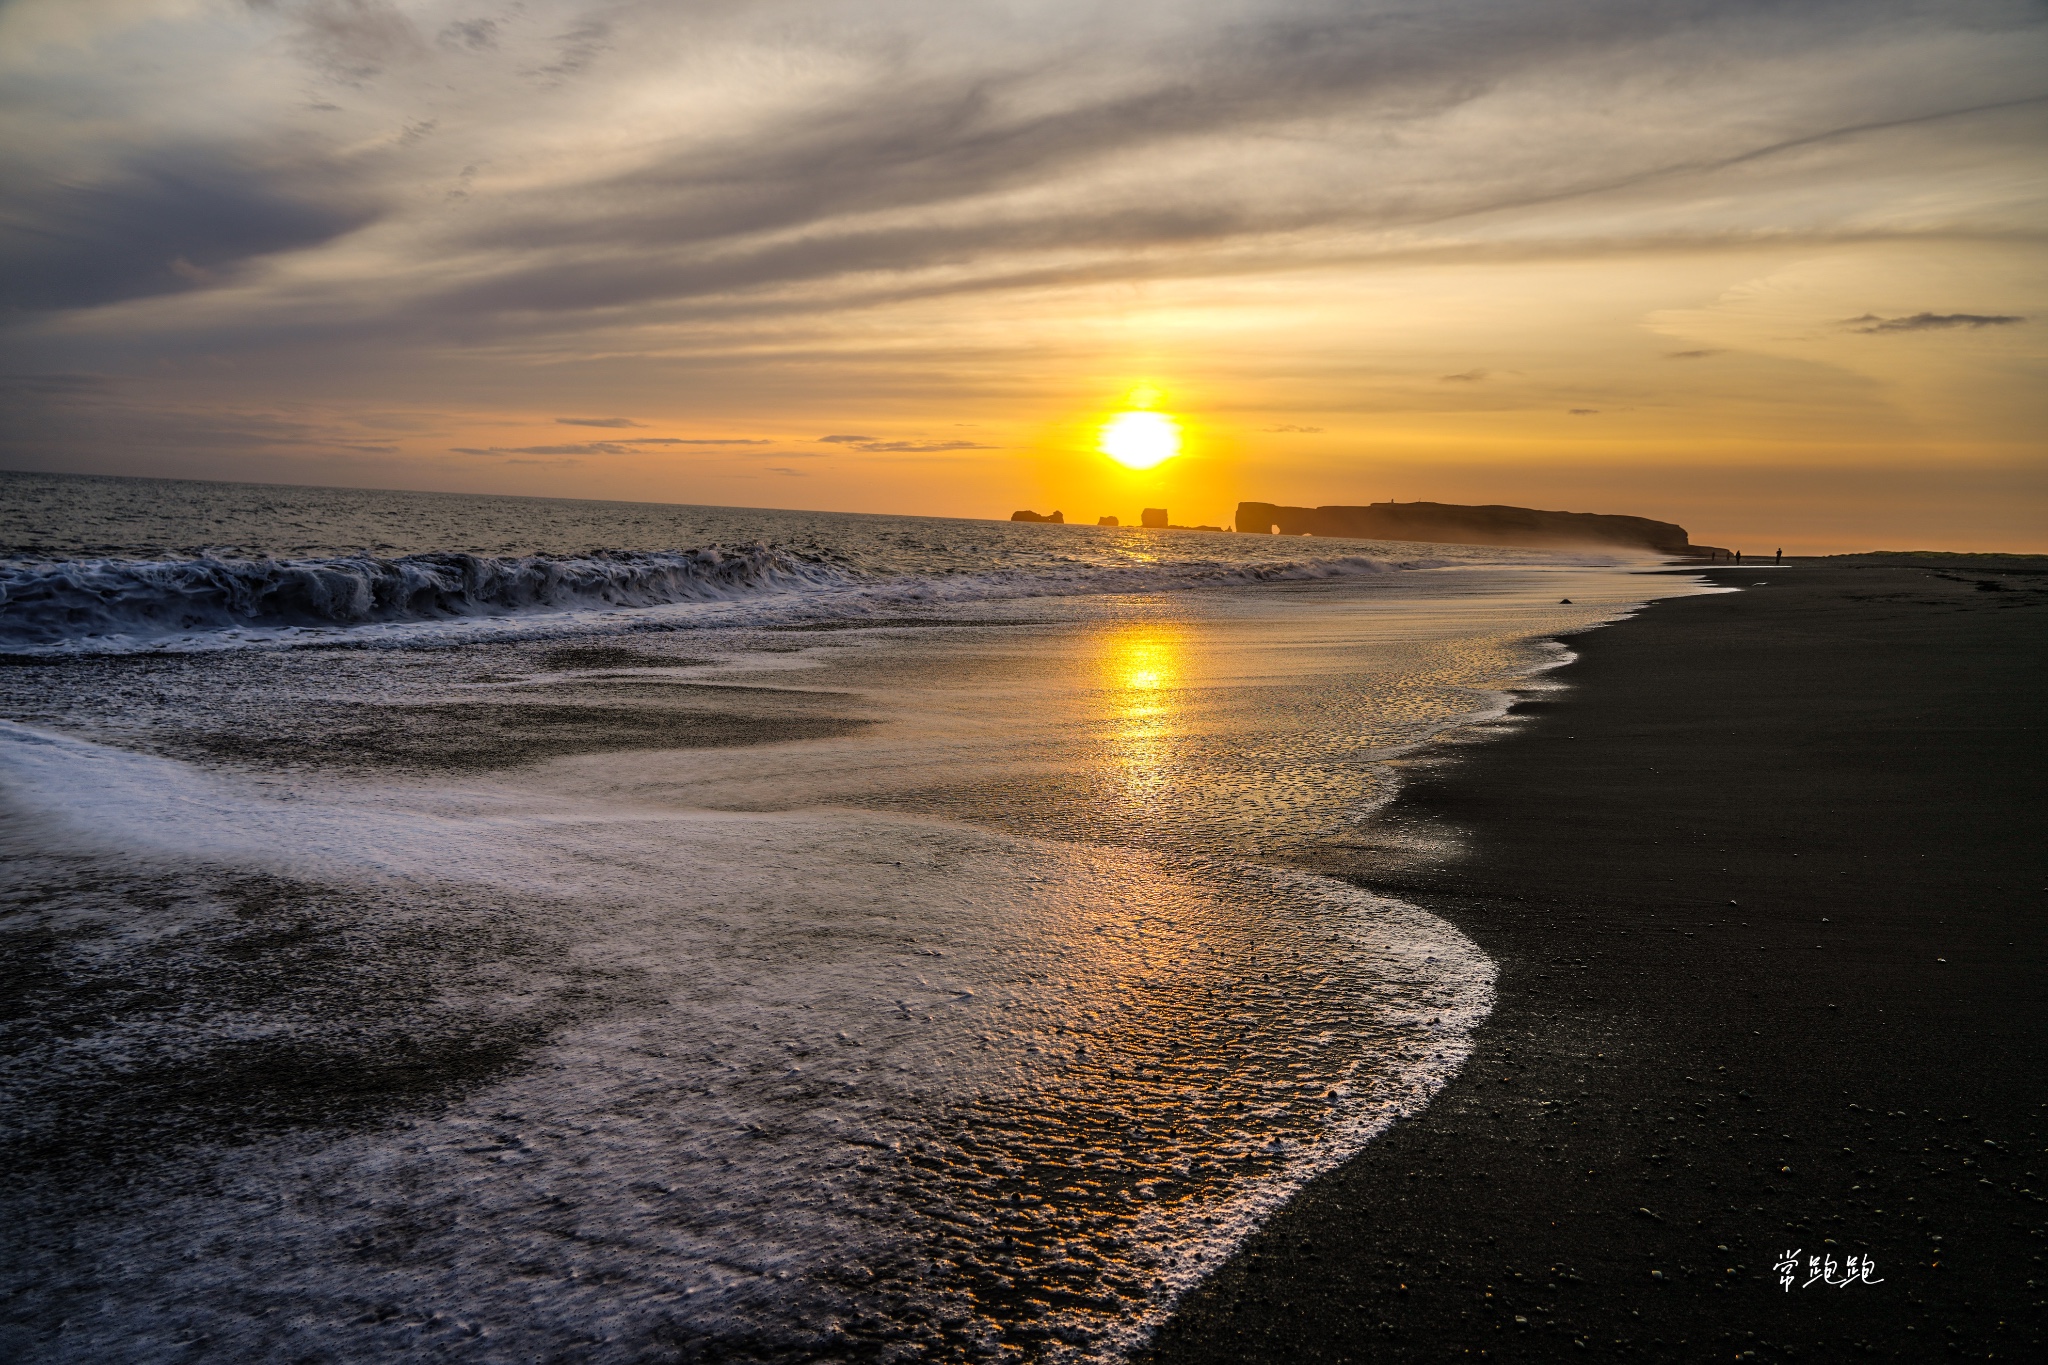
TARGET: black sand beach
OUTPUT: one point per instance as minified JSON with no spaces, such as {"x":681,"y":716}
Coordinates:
{"x":1766,"y":888}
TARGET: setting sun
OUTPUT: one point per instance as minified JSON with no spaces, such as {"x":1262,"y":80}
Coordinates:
{"x":1140,"y":440}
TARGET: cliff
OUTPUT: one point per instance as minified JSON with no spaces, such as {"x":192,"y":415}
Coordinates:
{"x":1451,"y":523}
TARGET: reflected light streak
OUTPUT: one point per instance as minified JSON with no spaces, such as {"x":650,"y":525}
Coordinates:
{"x":1141,"y":683}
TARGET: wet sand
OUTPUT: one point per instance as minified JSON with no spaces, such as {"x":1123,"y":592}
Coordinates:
{"x":575,"y":700}
{"x":1766,"y":889}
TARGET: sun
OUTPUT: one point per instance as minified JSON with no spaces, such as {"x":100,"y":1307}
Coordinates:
{"x":1140,"y":440}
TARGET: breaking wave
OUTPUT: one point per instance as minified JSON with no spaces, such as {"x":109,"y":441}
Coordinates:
{"x":46,"y":604}
{"x":95,"y":605}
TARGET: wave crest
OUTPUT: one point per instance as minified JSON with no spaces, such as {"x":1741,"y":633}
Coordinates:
{"x":50,"y":603}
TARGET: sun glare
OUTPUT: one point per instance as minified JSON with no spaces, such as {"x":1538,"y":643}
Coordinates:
{"x":1140,"y":440}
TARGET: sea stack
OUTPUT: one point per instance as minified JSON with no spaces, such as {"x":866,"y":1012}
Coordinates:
{"x":1451,"y":523}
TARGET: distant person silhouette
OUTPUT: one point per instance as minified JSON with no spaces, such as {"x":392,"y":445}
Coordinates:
{"x":1778,"y":558}
{"x":1738,"y":556}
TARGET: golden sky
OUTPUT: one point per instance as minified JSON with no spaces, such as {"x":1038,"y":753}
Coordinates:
{"x":1773,"y":271}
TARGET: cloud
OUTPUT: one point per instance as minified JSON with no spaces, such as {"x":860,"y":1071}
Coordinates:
{"x":967,"y":161}
{"x":1689,"y":355}
{"x":599,"y":422}
{"x":1583,"y":412}
{"x":477,"y":35}
{"x":786,"y":470}
{"x":629,"y":445}
{"x":583,"y":448}
{"x":1292,"y":428}
{"x":581,"y":45}
{"x":351,"y":40}
{"x":1464,"y":377}
{"x":941,"y":137}
{"x":1930,"y":322}
{"x":875,"y":445}
{"x":181,"y":218}
{"x":988,"y":149}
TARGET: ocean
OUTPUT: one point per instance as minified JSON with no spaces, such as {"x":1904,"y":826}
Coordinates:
{"x":501,"y":929}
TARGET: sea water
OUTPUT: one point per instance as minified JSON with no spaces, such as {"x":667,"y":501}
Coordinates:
{"x":509,"y":929}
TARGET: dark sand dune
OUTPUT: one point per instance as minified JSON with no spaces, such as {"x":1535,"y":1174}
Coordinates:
{"x":1721,"y":875}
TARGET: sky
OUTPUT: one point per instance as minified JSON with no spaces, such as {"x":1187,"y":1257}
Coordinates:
{"x":1771,"y":269}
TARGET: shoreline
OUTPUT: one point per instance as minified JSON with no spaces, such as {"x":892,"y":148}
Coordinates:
{"x":1719,"y":873}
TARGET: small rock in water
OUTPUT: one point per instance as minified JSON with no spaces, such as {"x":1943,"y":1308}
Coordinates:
{"x":1564,"y":601}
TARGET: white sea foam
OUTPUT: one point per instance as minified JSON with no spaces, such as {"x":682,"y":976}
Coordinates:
{"x":832,"y":1076}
